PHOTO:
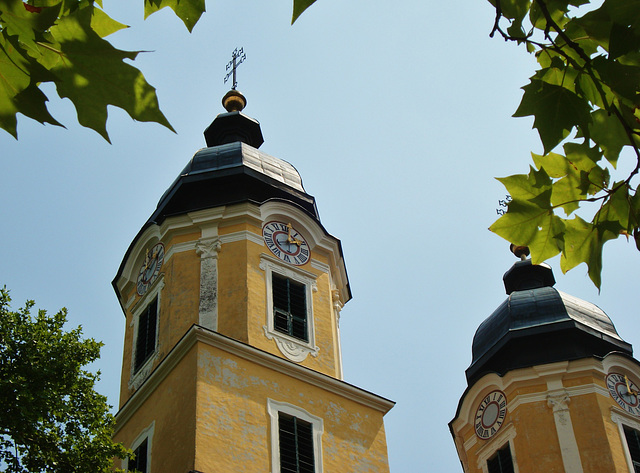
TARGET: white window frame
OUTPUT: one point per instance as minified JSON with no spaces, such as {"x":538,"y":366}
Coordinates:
{"x":622,"y":419}
{"x":138,"y":377}
{"x":506,"y":435}
{"x":317,"y":425}
{"x":293,"y":348}
{"x":148,"y":435}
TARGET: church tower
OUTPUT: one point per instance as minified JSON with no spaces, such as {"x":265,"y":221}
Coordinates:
{"x":232,"y":292}
{"x":551,"y":388}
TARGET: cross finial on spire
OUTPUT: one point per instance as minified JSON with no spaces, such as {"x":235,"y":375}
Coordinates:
{"x":238,"y":58}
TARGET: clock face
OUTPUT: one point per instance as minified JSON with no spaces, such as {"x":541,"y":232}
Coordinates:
{"x":286,"y":243}
{"x":490,"y":414}
{"x":624,"y":392}
{"x":150,"y":268}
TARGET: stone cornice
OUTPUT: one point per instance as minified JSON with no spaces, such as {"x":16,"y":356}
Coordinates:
{"x":197,"y":334}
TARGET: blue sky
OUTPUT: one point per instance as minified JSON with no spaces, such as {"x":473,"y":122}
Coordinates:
{"x":398,"y":117}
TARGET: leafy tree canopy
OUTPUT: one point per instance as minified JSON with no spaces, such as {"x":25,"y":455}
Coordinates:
{"x":51,"y":419}
{"x":585,"y":100}
{"x":63,"y":41}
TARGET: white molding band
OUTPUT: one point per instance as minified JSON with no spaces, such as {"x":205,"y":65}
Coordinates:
{"x":261,"y":358}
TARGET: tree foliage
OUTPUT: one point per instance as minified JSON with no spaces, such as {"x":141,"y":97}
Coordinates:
{"x":63,"y":42}
{"x":585,"y":100}
{"x":51,"y":418}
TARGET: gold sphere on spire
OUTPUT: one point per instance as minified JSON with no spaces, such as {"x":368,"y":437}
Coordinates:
{"x":234,"y":101}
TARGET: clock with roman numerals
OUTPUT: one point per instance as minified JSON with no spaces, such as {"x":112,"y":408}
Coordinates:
{"x":286,"y":242}
{"x":490,"y":414}
{"x":624,"y":392}
{"x":150,"y":268}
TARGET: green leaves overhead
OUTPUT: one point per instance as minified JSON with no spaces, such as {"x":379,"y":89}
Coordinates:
{"x":62,"y":42}
{"x":586,"y":97}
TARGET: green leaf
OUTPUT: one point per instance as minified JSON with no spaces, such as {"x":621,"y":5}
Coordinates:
{"x":103,"y":24}
{"x":624,"y":12}
{"x":31,"y":102}
{"x":528,"y":212}
{"x":596,"y":25}
{"x":27,"y":27}
{"x":527,"y":224}
{"x":556,"y":110}
{"x":583,"y":243}
{"x":93,"y":75}
{"x":623,"y":40}
{"x":299,"y":6}
{"x":520,"y":223}
{"x":607,"y":131}
{"x":617,"y":210}
{"x":189,"y":11}
{"x":532,"y":187}
{"x":547,"y":241}
{"x":622,"y":79}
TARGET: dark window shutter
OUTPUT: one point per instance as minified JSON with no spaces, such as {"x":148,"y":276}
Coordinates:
{"x":296,"y":445}
{"x":139,"y":462}
{"x":146,"y":341}
{"x":633,"y":442}
{"x":501,"y":462}
{"x":289,"y":307}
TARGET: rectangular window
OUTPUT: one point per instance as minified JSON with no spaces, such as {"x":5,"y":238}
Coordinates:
{"x":139,"y":462}
{"x":501,"y":462}
{"x":633,"y":443}
{"x":146,"y":341}
{"x":289,"y":307}
{"x":296,"y":445}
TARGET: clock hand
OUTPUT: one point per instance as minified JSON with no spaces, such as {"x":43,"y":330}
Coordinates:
{"x":629,"y":390}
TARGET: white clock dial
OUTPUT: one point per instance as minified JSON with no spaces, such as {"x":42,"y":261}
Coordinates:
{"x":286,"y":242}
{"x":624,"y":392}
{"x":150,"y":268}
{"x":490,"y":414}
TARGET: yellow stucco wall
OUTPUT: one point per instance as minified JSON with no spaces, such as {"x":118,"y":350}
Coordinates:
{"x":233,"y":423}
{"x":171,"y":409}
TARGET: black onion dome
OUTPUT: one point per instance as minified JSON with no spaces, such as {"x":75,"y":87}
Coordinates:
{"x":538,"y":324}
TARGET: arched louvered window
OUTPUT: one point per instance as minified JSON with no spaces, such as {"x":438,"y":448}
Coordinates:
{"x":146,"y":339}
{"x":501,"y":462}
{"x":296,"y":445}
{"x":139,"y":461}
{"x":633,"y":443}
{"x":290,"y":307}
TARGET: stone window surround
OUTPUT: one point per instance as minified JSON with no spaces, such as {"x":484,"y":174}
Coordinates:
{"x":138,"y":377}
{"x":147,"y":434}
{"x":293,"y":348}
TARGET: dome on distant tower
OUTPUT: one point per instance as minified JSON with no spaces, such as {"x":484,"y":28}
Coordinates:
{"x":538,"y":324}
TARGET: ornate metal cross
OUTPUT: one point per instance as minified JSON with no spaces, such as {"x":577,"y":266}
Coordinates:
{"x":238,"y":58}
